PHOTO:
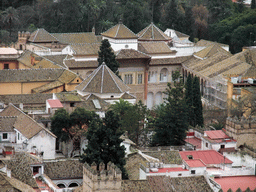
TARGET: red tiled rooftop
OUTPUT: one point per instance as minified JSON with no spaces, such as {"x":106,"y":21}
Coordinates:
{"x":207,"y":156}
{"x":217,"y":134}
{"x":55,"y":103}
{"x":173,"y":169}
{"x":237,"y":181}
{"x":194,"y":141}
{"x":195,"y":163}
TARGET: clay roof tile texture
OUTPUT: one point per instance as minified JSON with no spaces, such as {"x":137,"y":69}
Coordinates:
{"x":120,"y":31}
{"x":41,"y":35}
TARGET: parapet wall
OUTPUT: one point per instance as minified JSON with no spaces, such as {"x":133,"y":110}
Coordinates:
{"x":107,"y":180}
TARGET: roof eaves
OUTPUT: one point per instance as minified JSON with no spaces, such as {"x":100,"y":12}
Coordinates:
{"x":102,"y":78}
{"x":92,"y":77}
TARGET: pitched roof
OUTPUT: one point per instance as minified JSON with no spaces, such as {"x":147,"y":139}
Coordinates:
{"x":89,"y":104}
{"x":30,"y":75}
{"x":207,"y":156}
{"x":131,"y":54}
{"x":64,"y":169}
{"x":138,"y":186}
{"x":103,"y":80}
{"x":41,"y":36}
{"x":86,"y":48}
{"x":153,"y":33}
{"x":55,"y":103}
{"x":195,"y":163}
{"x":7,"y":124}
{"x":172,"y":184}
{"x":120,"y":31}
{"x":76,"y":38}
{"x":20,"y":168}
{"x":155,"y":48}
{"x":11,"y":183}
{"x":205,"y":43}
{"x":72,"y":64}
{"x":58,"y":59}
{"x":168,"y":61}
{"x":179,"y":34}
{"x":210,"y":50}
{"x":24,"y":123}
{"x":216,"y":134}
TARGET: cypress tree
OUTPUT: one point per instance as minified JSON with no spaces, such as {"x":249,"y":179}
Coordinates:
{"x":197,"y":103}
{"x":253,"y":4}
{"x":189,"y":99}
{"x":171,"y":121}
{"x":104,"y":143}
{"x":107,"y":55}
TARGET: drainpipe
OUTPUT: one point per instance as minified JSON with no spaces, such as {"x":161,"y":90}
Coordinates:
{"x":146,"y":81}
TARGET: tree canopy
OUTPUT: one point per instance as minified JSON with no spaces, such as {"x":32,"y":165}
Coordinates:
{"x":107,"y":55}
{"x":171,"y":122}
{"x":104,"y":143}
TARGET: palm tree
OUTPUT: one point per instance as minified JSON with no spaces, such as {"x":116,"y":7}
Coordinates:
{"x":10,"y":17}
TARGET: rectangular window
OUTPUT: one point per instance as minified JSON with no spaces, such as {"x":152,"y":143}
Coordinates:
{"x":6,"y":66}
{"x":139,"y":78}
{"x":190,"y":157}
{"x":149,"y":76}
{"x":206,"y":144}
{"x":222,"y":146}
{"x":128,"y":79}
{"x":193,"y":171}
{"x":72,"y":104}
{"x":18,"y":136}
{"x":5,"y":135}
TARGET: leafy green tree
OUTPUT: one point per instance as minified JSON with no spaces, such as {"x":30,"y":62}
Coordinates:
{"x":104,"y":143}
{"x":197,"y":103}
{"x":200,"y":14}
{"x":60,"y":125}
{"x":107,"y":55}
{"x":171,"y":15}
{"x":10,"y":18}
{"x":248,"y":189}
{"x":171,"y":123}
{"x":189,"y":22}
{"x":189,"y":99}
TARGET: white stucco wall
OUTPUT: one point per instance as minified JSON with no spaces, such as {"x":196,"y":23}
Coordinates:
{"x":216,"y":146}
{"x":43,"y":142}
{"x":118,"y":44}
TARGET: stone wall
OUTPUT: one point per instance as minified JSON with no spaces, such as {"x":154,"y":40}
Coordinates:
{"x":243,"y":130}
{"x":101,"y":180}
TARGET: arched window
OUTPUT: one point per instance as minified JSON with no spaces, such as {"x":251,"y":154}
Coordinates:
{"x":150,"y":101}
{"x":163,"y":75}
{"x":158,"y":99}
{"x":73,"y":185}
{"x":61,"y":185}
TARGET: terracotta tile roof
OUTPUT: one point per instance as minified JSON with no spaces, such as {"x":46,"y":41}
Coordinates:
{"x":24,"y":123}
{"x":76,"y":38}
{"x":89,"y":105}
{"x":210,"y":51}
{"x":20,"y":168}
{"x":153,"y":33}
{"x":128,"y":96}
{"x":58,"y":59}
{"x":72,"y":64}
{"x":12,"y":184}
{"x":41,"y":36}
{"x":136,"y":186}
{"x":167,"y":157}
{"x":69,"y":97}
{"x":168,"y":61}
{"x":207,"y":156}
{"x":170,"y":184}
{"x":55,"y":103}
{"x":47,"y":64}
{"x":30,"y":75}
{"x":86,"y":48}
{"x":216,"y":134}
{"x":172,"y":169}
{"x":120,"y":31}
{"x":131,"y":54}
{"x":47,"y":87}
{"x":251,"y":72}
{"x":235,"y":182}
{"x":194,"y":141}
{"x":205,"y":43}
{"x":155,"y":48}
{"x":103,"y":80}
{"x":64,"y":169}
{"x":7,"y":124}
{"x":25,"y":58}
{"x":133,"y":165}
{"x":195,"y":163}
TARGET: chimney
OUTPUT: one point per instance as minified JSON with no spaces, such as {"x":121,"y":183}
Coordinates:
{"x":93,"y":30}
